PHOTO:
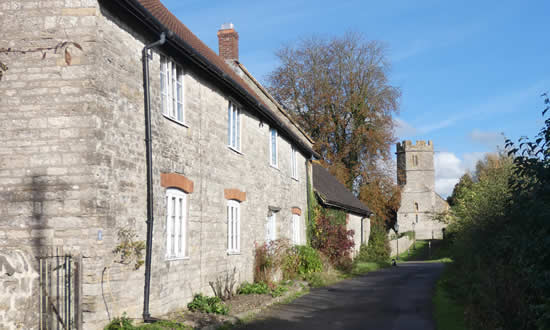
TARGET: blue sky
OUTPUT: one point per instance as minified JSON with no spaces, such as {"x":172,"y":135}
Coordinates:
{"x":468,"y":70}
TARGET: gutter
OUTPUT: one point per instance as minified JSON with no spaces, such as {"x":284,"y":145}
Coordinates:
{"x":142,"y":14}
{"x":149,"y":158}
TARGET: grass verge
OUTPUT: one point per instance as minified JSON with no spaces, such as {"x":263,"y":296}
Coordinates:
{"x":448,"y":312}
{"x":437,"y":252}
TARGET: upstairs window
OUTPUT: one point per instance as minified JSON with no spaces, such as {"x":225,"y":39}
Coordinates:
{"x":234,"y":126}
{"x":176,"y":224}
{"x":233,"y":226}
{"x":171,"y":90}
{"x":273,"y":147}
{"x":294,"y":163}
{"x":415,"y":160}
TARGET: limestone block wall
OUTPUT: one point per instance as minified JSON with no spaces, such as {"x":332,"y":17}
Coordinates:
{"x":198,"y":151}
{"x":72,"y":166}
{"x":403,"y":245}
{"x":48,"y":183}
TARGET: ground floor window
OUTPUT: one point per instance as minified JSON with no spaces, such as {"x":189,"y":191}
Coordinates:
{"x":176,"y":223}
{"x":271,"y":227}
{"x":296,"y":229}
{"x":233,"y":226}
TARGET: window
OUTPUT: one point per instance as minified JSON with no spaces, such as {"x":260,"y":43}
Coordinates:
{"x":273,"y":147}
{"x":271,"y":227}
{"x":233,"y":226}
{"x":416,"y":207}
{"x":171,"y":90}
{"x":415,"y":160}
{"x":417,"y":218}
{"x":234,"y":126}
{"x":296,"y":229}
{"x":176,"y":224}
{"x":294,"y":163}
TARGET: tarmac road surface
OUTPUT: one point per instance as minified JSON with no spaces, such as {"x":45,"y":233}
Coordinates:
{"x":392,"y":298}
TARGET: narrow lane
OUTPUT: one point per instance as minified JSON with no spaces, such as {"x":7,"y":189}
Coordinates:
{"x":393,"y":298}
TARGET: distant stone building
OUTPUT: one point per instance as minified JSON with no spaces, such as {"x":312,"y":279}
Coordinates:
{"x":419,"y":201}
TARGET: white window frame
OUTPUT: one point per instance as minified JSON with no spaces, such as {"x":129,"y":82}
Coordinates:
{"x":294,"y":163}
{"x":176,"y":224}
{"x":271,"y":227}
{"x":233,"y":227}
{"x":172,"y":90}
{"x":234,"y":125}
{"x":296,"y":229}
{"x":273,"y":148}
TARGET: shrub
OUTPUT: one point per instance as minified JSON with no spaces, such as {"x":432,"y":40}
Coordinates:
{"x":378,"y":249}
{"x":331,"y":238}
{"x":262,"y":288}
{"x":301,"y":260}
{"x":125,"y":323}
{"x":315,"y":280}
{"x":250,"y":288}
{"x":279,"y":290}
{"x":268,"y":258}
{"x":120,"y":323}
{"x":205,"y":304}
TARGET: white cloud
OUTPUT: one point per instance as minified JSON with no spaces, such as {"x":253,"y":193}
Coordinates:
{"x":449,"y":168}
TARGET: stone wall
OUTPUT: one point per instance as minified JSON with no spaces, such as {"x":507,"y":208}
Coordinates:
{"x":403,"y":245}
{"x":48,"y":195}
{"x":72,"y":165}
{"x":18,"y":283}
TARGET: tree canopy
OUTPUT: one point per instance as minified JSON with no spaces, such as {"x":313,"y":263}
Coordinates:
{"x":338,"y":90}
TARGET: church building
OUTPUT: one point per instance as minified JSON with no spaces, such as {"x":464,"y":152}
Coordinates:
{"x":419,"y":201}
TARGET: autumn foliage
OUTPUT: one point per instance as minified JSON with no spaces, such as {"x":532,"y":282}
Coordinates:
{"x":338,"y":90}
{"x":332,"y":239}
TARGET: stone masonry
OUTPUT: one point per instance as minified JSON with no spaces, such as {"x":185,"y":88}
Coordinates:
{"x":72,"y":166}
{"x":419,"y":201}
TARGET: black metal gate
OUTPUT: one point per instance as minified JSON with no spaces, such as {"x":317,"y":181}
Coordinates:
{"x":59,"y":292}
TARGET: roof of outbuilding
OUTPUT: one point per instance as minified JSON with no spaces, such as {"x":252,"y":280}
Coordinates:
{"x":160,"y":13}
{"x":335,"y":194}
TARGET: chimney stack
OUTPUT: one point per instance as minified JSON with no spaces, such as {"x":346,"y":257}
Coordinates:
{"x":228,"y":42}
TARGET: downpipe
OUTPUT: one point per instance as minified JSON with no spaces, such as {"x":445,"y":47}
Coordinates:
{"x":149,"y":159}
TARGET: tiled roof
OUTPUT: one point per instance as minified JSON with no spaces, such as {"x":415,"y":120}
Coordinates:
{"x":335,"y":194}
{"x":172,"y":23}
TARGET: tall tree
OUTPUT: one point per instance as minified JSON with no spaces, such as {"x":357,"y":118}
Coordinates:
{"x":338,"y":90}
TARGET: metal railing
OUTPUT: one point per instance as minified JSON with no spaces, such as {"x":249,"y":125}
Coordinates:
{"x":59,"y":292}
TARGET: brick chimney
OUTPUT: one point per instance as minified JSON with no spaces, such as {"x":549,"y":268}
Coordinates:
{"x":228,"y":42}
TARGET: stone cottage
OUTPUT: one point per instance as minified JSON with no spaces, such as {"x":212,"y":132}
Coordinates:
{"x":121,"y":130}
{"x":419,"y":201}
{"x":332,"y":194}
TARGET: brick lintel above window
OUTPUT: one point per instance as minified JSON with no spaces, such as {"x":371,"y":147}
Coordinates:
{"x":234,"y":194}
{"x":175,"y":180}
{"x":296,"y":210}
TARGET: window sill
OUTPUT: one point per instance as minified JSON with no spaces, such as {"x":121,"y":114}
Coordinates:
{"x":176,"y":258}
{"x":295,"y":179}
{"x":275,"y":167}
{"x":233,"y":253}
{"x":235,"y":150}
{"x":181,"y":123}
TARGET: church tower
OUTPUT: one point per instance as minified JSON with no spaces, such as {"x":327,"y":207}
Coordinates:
{"x":419,"y":201}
